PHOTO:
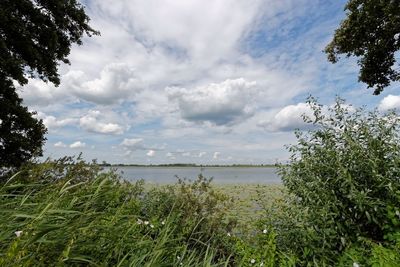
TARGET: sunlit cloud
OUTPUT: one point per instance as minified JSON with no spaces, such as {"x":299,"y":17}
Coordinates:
{"x":77,"y":144}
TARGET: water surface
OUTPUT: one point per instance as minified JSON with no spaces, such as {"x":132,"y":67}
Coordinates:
{"x":221,"y":175}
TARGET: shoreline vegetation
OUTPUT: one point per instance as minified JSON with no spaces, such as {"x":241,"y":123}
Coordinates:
{"x":69,"y":212}
{"x":189,"y":165}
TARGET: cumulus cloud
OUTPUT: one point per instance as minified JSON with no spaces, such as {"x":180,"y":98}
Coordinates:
{"x":150,"y":153}
{"x":91,"y":123}
{"x":216,"y":155}
{"x":201,"y":154}
{"x":60,"y":144}
{"x":288,"y":118}
{"x":39,"y":93}
{"x":52,"y":122}
{"x":218,"y":103}
{"x":77,"y":144}
{"x":133,"y":143}
{"x":389,"y":102}
{"x":117,"y":81}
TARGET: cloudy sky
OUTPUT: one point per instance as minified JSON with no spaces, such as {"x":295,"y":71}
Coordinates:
{"x":212,"y":82}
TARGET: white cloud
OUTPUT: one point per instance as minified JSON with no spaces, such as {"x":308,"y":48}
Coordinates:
{"x":150,"y":153}
{"x":77,"y":144}
{"x":90,"y":123}
{"x":288,"y":118}
{"x":53,"y":123}
{"x":389,"y":102}
{"x":117,"y":82}
{"x":37,"y":92}
{"x":222,"y":103}
{"x":60,"y":144}
{"x":216,"y":155}
{"x":201,"y":154}
{"x":133,"y":143}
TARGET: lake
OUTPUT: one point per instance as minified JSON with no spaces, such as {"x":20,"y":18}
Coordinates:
{"x":221,"y":175}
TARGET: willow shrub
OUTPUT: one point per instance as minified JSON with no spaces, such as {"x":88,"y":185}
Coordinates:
{"x":343,"y":175}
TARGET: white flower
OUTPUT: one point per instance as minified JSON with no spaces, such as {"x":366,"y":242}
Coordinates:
{"x":265,"y":231}
{"x":139,"y":221}
{"x":152,"y":226}
{"x":228,"y":234}
{"x":178,"y":257}
{"x":146,"y":222}
{"x":261,"y":264}
{"x":163,"y":222}
{"x":355,"y":264}
{"x":398,"y":213}
{"x":18,"y":233}
{"x":252,"y":261}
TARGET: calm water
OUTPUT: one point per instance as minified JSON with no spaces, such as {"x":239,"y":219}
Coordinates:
{"x":221,"y":175}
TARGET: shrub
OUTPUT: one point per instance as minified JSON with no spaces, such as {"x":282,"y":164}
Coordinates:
{"x":343,"y":175}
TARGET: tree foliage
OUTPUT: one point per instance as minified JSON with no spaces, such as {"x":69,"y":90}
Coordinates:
{"x":35,"y":36}
{"x":371,"y":32}
{"x":344,"y":175}
{"x":21,"y":135}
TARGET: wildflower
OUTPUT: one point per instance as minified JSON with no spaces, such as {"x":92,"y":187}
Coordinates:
{"x":163,"y":222}
{"x":179,"y":258}
{"x":252,"y":261}
{"x":398,"y":213}
{"x":139,"y":221}
{"x":18,"y":233}
{"x":152,"y":226}
{"x":355,"y":264}
{"x":228,"y":234}
{"x":265,"y":231}
{"x":146,"y":222}
{"x":261,"y":264}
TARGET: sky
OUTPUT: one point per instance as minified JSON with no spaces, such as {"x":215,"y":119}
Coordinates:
{"x":194,"y":81}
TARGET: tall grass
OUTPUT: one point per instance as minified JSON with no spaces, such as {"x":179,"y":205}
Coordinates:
{"x":71,"y":213}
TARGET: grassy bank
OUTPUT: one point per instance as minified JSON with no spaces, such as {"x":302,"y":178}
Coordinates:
{"x":57,"y":214}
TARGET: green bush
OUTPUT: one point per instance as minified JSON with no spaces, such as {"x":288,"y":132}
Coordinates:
{"x":343,"y":175}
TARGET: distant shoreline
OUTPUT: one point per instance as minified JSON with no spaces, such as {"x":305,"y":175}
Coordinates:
{"x":182,"y":165}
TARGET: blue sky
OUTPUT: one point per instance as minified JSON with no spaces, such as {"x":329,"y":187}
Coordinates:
{"x":208,"y":82}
